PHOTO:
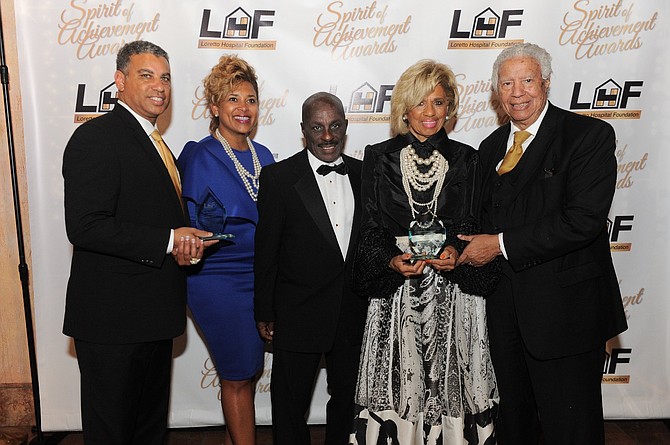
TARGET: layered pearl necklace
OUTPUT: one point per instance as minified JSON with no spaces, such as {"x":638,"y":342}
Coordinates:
{"x":249,"y":180}
{"x":413,"y":178}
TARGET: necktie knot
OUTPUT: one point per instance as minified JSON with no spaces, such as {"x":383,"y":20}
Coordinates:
{"x":515,"y":152}
{"x":340,"y":168}
{"x":520,"y":137}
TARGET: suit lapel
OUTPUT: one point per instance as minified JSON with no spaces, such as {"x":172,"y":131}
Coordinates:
{"x":354,"y":176}
{"x":498,"y":149}
{"x":536,"y":152}
{"x":148,"y":148}
{"x":309,"y":193}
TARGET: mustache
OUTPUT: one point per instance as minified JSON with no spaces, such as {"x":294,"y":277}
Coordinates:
{"x":328,"y":144}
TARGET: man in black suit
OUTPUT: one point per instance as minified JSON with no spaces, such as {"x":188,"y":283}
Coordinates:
{"x":546,"y":214}
{"x":309,"y":210}
{"x":124,"y":216}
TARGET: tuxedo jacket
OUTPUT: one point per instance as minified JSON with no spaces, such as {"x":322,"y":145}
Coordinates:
{"x":301,"y":279}
{"x":120,"y":205}
{"x":552,"y":210}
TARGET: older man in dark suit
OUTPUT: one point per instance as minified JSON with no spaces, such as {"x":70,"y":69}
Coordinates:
{"x":308,"y":208}
{"x":126,"y":295}
{"x":545,"y":206}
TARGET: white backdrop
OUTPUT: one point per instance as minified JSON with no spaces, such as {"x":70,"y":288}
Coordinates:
{"x":610,"y":61}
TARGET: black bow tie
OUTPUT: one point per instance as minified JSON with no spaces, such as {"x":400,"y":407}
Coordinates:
{"x":340,"y":168}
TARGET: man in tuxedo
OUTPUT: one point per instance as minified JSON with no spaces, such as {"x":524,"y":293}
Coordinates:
{"x":546,"y":214}
{"x":126,"y":296}
{"x":308,"y":218}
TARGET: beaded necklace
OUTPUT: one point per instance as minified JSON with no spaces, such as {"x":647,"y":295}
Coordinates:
{"x":413,"y":178}
{"x":249,"y":180}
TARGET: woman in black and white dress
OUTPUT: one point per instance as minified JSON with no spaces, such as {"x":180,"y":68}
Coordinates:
{"x":425,"y":375}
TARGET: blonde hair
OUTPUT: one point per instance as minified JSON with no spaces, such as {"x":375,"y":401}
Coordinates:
{"x":417,"y":82}
{"x":225,"y":75}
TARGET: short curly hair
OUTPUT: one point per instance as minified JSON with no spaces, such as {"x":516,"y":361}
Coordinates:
{"x":417,"y":82}
{"x":225,"y":75}
{"x":137,"y":47}
{"x":541,"y":56}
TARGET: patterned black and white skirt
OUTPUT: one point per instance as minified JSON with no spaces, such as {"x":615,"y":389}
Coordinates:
{"x":425,"y":374}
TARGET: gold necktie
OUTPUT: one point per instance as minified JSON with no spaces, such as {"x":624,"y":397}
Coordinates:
{"x":168,"y":160}
{"x":514,"y":154}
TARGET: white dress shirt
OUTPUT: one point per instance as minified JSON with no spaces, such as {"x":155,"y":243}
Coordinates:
{"x":339,"y":200}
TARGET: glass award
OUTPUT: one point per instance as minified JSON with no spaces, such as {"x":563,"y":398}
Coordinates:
{"x":426,"y":237}
{"x":211,"y":216}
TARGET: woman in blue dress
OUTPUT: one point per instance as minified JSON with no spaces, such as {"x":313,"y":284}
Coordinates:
{"x":223,"y":168}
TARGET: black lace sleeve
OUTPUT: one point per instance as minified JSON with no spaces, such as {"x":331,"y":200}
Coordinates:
{"x":472,"y":280}
{"x":371,"y":275}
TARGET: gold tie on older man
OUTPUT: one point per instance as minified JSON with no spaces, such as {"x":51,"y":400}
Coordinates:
{"x":168,"y":160}
{"x":514,"y":154}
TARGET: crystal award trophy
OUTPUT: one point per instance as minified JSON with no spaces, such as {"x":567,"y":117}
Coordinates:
{"x":211,"y":216}
{"x":426,"y":237}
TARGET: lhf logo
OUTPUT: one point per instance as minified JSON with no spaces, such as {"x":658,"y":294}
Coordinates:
{"x":236,"y":30}
{"x":609,"y":100}
{"x":487,"y":30}
{"x":367,"y":104}
{"x":613,"y":359}
{"x":621,"y":223}
{"x":85,"y":111}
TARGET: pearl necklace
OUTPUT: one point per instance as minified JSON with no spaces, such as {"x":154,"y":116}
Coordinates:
{"x":249,"y":180}
{"x":421,"y":181}
{"x":413,"y":178}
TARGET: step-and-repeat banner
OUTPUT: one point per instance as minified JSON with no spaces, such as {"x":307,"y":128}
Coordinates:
{"x":610,"y":61}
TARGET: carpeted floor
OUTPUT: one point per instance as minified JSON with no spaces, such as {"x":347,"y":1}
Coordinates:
{"x":623,"y":432}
